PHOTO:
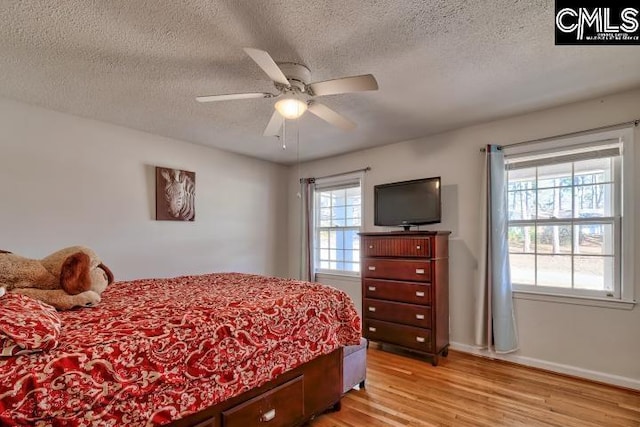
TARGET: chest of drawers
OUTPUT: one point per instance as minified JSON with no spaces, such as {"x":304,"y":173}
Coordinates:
{"x":405,"y":290}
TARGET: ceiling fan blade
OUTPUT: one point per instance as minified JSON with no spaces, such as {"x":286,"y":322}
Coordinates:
{"x":232,"y":96}
{"x":274,"y":125}
{"x":268,"y":65}
{"x":330,"y":116}
{"x":344,"y":85}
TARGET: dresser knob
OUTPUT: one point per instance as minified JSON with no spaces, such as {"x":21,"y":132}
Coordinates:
{"x":419,"y":270}
{"x":372,"y":268}
{"x":372,"y":288}
{"x":268,"y":416}
{"x":372,"y":329}
{"x":418,"y":247}
{"x":420,"y":316}
{"x":373,"y":309}
{"x":370,"y":246}
{"x":419,"y":293}
{"x":420,"y":339}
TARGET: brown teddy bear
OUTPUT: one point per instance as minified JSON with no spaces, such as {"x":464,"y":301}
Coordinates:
{"x":70,"y":277}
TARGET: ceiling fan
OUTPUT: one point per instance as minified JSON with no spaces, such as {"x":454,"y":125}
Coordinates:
{"x":293,"y":82}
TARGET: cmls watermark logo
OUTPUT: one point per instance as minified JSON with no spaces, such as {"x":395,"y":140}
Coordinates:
{"x":604,"y":22}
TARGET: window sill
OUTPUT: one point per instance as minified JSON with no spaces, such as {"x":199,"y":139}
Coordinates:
{"x":342,"y":276}
{"x":575,"y":300}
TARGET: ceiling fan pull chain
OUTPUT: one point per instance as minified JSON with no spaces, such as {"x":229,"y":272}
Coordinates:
{"x":284,"y":134}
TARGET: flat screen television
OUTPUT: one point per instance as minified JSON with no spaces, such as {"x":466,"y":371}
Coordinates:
{"x":407,"y":203}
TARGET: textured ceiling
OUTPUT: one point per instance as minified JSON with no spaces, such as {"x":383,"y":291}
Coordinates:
{"x":440,"y":64}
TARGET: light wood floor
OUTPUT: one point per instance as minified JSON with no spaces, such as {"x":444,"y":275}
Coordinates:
{"x":466,"y":390}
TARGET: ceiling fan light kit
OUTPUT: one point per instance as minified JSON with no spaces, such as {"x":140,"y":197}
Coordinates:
{"x":291,"y":108}
{"x":293,"y":81}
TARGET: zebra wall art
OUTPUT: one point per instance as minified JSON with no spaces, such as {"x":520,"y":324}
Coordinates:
{"x":175,"y":194}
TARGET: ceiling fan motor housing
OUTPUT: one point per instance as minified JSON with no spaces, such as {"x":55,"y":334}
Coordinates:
{"x":298,"y":75}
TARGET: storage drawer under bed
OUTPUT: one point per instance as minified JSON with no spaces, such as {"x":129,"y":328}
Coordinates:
{"x":280,"y":407}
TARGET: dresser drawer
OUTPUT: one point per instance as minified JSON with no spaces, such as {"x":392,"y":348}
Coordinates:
{"x":393,"y":247}
{"x":407,"y":336}
{"x":397,"y":312}
{"x":419,"y":271}
{"x":282,"y":406}
{"x":411,"y":292}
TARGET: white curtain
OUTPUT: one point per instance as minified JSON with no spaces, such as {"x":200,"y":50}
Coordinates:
{"x":306,"y":229}
{"x":494,"y":317}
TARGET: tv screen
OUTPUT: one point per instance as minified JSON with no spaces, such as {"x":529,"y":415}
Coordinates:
{"x":407,"y":203}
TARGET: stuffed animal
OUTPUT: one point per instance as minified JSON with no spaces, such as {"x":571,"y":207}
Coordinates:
{"x":70,"y":277}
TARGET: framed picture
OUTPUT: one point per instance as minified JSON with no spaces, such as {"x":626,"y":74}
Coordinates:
{"x":175,"y":194}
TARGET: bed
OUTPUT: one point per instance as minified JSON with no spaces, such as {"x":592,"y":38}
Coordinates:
{"x":216,"y":349}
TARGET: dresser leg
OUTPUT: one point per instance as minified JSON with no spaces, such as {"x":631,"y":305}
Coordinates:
{"x":434,"y":360}
{"x":445,"y":352}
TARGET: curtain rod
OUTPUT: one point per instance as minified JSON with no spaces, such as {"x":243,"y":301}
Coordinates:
{"x":578,"y":133}
{"x":367,"y":169}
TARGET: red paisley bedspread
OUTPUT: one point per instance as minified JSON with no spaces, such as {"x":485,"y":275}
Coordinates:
{"x":156,"y":350}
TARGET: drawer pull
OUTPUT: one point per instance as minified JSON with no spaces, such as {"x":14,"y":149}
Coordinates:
{"x":419,"y":294}
{"x":420,"y":339}
{"x":268,"y":416}
{"x":418,"y":247}
{"x":370,"y":246}
{"x":372,"y":329}
{"x":420,"y":316}
{"x":419,"y":270}
{"x":372,"y":309}
{"x":372,"y":288}
{"x":372,"y":268}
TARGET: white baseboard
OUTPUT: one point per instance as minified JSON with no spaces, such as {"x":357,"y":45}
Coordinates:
{"x":602,"y":377}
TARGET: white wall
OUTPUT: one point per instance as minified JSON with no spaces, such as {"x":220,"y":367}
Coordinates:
{"x":66,"y":180}
{"x":601,"y":343}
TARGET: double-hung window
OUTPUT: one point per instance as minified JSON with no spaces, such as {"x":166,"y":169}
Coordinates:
{"x":569,"y":232}
{"x":337,"y":220}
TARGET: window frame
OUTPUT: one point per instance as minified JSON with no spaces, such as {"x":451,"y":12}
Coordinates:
{"x":623,"y":222}
{"x":354,"y":180}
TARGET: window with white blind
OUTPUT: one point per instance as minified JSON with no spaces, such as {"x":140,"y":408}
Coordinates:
{"x":337,"y":221}
{"x":567,"y":229}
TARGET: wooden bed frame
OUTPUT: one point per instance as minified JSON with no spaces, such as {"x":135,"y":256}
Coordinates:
{"x":289,"y":400}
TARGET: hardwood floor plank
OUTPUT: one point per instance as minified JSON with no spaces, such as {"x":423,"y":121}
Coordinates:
{"x":403,"y":390}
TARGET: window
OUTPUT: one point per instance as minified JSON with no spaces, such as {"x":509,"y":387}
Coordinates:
{"x":337,"y":220}
{"x":566,"y":220}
